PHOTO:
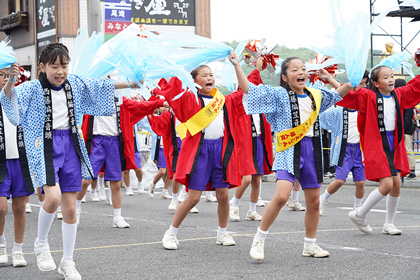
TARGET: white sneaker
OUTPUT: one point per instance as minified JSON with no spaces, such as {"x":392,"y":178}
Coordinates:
{"x":59,"y":215}
{"x":322,"y":205}
{"x":234,"y":213}
{"x":391,"y":230}
{"x":297,"y":206}
{"x":84,"y":199}
{"x":253,"y":216}
{"x":210,"y":198}
{"x":194,"y":210}
{"x":182,"y":196}
{"x":257,"y":250}
{"x":129,"y":191}
{"x":290,"y":202}
{"x":28,"y":208}
{"x":169,"y":241}
{"x":119,"y":222}
{"x":260,"y":203}
{"x":18,"y":259}
{"x":315,"y":251}
{"x":69,"y":271}
{"x":141,"y":188}
{"x":44,"y":259}
{"x":3,"y":255}
{"x":225,"y":240}
{"x":152,"y":190}
{"x":173,"y":205}
{"x":360,"y":223}
{"x":165,"y":195}
{"x":94,"y":197}
{"x":102,"y":194}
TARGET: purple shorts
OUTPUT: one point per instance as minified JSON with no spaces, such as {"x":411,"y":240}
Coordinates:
{"x":209,"y":167}
{"x":137,"y":159}
{"x":106,"y":152}
{"x":67,"y":164}
{"x":260,"y":156}
{"x":161,"y":162}
{"x":390,"y":137}
{"x":13,"y":184}
{"x":352,"y":162}
{"x":308,"y":175}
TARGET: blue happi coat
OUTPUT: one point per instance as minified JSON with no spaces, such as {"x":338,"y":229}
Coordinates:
{"x":27,"y":107}
{"x":274,"y":102}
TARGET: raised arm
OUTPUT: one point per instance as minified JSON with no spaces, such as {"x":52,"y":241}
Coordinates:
{"x":341,"y":89}
{"x":243,"y":81}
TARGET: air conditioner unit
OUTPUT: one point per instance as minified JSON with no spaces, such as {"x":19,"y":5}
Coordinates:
{"x":14,"y":21}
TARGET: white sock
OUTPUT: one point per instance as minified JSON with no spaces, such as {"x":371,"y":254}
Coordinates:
{"x":374,"y":197}
{"x":109,"y":192}
{"x":209,"y":193}
{"x":252,"y":206}
{"x":221,"y":231}
{"x":173,"y":230}
{"x":260,"y":235}
{"x":69,"y":240}
{"x":308,"y":242}
{"x":78,"y":204}
{"x":59,"y":208}
{"x":295,"y":196}
{"x":117,"y":212}
{"x":45,"y":221}
{"x":139,"y":185}
{"x":101,"y":184}
{"x":41,"y":203}
{"x":27,"y":203}
{"x":235,"y":201}
{"x":2,"y":239}
{"x":92,"y":191}
{"x":128,"y":187}
{"x":175,"y":196}
{"x":357,"y":202}
{"x":17,"y":247}
{"x":325,"y":196}
{"x":391,"y":208}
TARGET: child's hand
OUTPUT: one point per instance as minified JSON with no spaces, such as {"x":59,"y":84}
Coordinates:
{"x":13,"y":73}
{"x":166,"y":104}
{"x":323,"y":74}
{"x":233,"y":58}
{"x":259,"y":63}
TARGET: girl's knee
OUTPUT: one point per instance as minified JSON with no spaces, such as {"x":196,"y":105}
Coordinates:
{"x":3,"y":210}
{"x":280,"y":199}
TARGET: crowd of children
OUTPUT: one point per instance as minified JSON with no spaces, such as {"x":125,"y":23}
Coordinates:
{"x":217,"y":143}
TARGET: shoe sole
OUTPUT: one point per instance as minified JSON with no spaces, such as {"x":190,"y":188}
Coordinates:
{"x":115,"y":226}
{"x":255,"y":258}
{"x":253,"y":219}
{"x":227,"y":244}
{"x":47,"y":269}
{"x":315,"y":256}
{"x":388,"y":233}
{"x":20,"y":264}
{"x":170,"y":248}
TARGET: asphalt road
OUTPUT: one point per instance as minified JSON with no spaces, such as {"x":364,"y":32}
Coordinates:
{"x":103,"y":252}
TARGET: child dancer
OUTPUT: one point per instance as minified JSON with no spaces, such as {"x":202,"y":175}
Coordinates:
{"x":164,"y":126}
{"x":208,"y":157}
{"x":109,"y":139}
{"x":48,"y":108}
{"x":254,"y":146}
{"x":285,"y":108}
{"x":15,"y":180}
{"x":345,"y":153}
{"x":381,"y":132}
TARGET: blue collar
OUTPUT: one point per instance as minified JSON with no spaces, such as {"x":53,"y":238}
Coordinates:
{"x":205,"y":96}
{"x":56,"y":88}
{"x":386,"y":96}
{"x":302,"y":95}
{"x":351,"y":110}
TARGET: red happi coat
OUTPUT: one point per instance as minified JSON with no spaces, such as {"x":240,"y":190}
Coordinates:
{"x":164,"y":125}
{"x":243,"y":137}
{"x":375,"y":158}
{"x":131,"y":112}
{"x":184,"y":108}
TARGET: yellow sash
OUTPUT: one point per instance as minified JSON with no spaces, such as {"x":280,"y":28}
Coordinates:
{"x":289,"y":138}
{"x":203,"y":117}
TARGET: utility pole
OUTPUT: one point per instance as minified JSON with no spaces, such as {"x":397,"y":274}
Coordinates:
{"x":94,"y":15}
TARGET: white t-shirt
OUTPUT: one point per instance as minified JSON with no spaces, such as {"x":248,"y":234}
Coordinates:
{"x":60,"y":110}
{"x":353,"y":133}
{"x":390,"y":112}
{"x":177,"y":122}
{"x":10,"y":137}
{"x":256,"y":119}
{"x":106,"y":125}
{"x":216,"y":129}
{"x":305,"y":111}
